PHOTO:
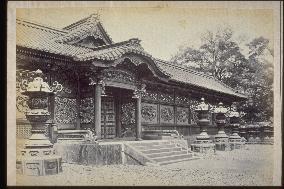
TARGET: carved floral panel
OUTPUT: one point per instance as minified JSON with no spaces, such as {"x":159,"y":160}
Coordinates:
{"x":166,"y":114}
{"x":128,"y":113}
{"x":149,"y":113}
{"x":182,"y":116}
{"x":87,"y":110}
{"x":65,"y":110}
{"x":128,"y":119}
{"x":193,"y":105}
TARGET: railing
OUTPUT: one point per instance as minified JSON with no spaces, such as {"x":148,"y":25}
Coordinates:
{"x":74,"y":135}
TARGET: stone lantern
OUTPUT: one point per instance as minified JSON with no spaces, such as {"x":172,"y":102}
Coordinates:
{"x":234,"y":138}
{"x":252,"y":133}
{"x":203,"y":143}
{"x":221,"y":139}
{"x":38,"y":156}
{"x":266,"y":134}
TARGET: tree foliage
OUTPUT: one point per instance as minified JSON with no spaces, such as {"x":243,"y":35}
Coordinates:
{"x":220,"y":56}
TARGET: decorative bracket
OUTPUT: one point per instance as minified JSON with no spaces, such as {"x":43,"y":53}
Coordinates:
{"x":139,"y":91}
{"x":94,"y":81}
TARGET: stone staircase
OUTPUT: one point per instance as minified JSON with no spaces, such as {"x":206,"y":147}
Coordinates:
{"x":160,"y":152}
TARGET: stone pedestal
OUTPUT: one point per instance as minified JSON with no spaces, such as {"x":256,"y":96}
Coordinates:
{"x":235,"y":140}
{"x":268,"y":138}
{"x":203,"y":144}
{"x":222,"y":141}
{"x":38,"y":156}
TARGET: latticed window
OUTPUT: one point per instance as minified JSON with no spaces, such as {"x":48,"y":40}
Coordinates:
{"x":23,"y":131}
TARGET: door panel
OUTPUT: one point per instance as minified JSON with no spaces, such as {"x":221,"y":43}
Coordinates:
{"x":128,"y":118}
{"x":108,"y":118}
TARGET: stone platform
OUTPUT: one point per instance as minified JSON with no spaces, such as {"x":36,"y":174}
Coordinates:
{"x":145,"y":152}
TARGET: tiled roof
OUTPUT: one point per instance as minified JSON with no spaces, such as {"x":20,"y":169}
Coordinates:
{"x":43,"y":38}
{"x":185,"y":75}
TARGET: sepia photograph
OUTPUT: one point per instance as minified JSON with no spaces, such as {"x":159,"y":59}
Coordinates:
{"x":144,"y":93}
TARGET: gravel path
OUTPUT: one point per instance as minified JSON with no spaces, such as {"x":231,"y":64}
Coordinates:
{"x":252,"y":166}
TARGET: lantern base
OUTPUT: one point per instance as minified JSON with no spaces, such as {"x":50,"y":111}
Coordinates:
{"x":254,"y":140}
{"x":207,"y":147}
{"x":222,"y":141}
{"x":39,"y":165}
{"x":268,"y":140}
{"x":203,"y":144}
{"x":235,"y":141}
{"x":38,"y":157}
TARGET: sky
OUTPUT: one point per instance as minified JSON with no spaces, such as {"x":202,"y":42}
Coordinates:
{"x":162,"y":30}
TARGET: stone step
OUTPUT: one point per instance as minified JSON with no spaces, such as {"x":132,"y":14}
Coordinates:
{"x":158,"y":146}
{"x":163,"y":154}
{"x":160,"y":150}
{"x":150,"y":143}
{"x":177,"y":160}
{"x":172,"y":157}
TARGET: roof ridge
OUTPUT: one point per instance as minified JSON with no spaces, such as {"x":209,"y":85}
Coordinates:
{"x":37,"y":24}
{"x":135,"y":40}
{"x":185,"y":68}
{"x":79,"y":22}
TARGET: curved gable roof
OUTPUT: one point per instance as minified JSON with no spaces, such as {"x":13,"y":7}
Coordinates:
{"x":87,"y":27}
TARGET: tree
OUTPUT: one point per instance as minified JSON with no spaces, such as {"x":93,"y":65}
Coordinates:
{"x":220,"y":56}
{"x":257,"y":82}
{"x":217,"y":56}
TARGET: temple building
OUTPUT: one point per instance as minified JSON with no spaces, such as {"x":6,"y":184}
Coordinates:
{"x":116,"y":89}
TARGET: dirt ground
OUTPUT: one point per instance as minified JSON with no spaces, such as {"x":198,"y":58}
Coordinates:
{"x":252,"y":166}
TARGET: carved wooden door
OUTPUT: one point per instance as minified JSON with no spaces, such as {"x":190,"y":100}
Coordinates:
{"x":108,"y":118}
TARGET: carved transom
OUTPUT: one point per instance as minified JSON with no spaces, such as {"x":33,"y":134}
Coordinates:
{"x":182,"y":100}
{"x":118,"y":76}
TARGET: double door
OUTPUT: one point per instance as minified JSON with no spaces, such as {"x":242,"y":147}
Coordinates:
{"x":108,"y":118}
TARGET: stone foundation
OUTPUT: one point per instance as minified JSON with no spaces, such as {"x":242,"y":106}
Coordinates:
{"x":39,"y":166}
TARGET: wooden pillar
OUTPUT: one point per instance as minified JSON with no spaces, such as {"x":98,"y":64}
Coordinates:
{"x":98,"y":128}
{"x":78,"y":103}
{"x":138,"y":118}
{"x":118,"y":114}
